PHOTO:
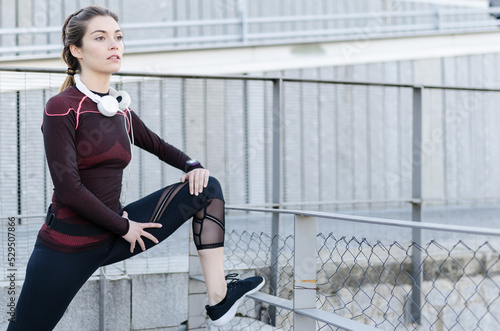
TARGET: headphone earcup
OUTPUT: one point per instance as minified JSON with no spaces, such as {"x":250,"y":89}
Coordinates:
{"x":108,"y":106}
{"x":123,"y":99}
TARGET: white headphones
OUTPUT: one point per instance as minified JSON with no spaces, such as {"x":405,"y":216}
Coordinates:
{"x":108,"y":105}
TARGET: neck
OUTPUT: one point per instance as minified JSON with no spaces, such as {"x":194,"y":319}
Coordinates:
{"x":95,"y":82}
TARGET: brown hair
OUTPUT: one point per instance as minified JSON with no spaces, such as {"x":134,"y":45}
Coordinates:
{"x":73,"y":30}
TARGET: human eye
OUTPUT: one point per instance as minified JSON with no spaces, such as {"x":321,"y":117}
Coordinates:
{"x":99,"y":38}
{"x":119,"y":37}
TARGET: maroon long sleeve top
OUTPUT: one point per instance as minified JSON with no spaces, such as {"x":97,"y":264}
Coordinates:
{"x":86,"y":154}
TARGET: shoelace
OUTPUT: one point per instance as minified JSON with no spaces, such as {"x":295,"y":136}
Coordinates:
{"x":233,"y":280}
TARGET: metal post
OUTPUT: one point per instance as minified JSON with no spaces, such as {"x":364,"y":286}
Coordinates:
{"x":196,"y":291}
{"x":416,"y":292}
{"x":243,"y":19}
{"x":437,"y":10}
{"x":304,"y":273}
{"x":102,"y":298}
{"x":275,"y":230}
{"x":18,"y":140}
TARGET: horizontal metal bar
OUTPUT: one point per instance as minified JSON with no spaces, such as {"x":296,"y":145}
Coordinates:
{"x":144,"y":74}
{"x":232,"y":21}
{"x":358,"y":31}
{"x":258,"y":78}
{"x":335,"y":320}
{"x":379,"y":221}
{"x":335,"y":202}
{"x":125,"y":26}
{"x":259,"y":296}
{"x":471,"y":11}
{"x":367,"y":201}
{"x":471,"y":24}
{"x":367,"y":83}
{"x":177,"y":40}
{"x":317,"y":314}
{"x":31,"y":48}
{"x":31,"y":29}
{"x":482,"y":199}
{"x":340,"y":17}
{"x":332,"y":202}
{"x":272,"y":300}
{"x":179,"y":24}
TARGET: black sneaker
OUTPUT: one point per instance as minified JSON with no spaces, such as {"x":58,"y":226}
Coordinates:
{"x":225,"y":310}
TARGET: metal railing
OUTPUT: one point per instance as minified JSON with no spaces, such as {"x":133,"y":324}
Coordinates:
{"x":281,"y":142}
{"x":317,"y":283}
{"x":246,"y":30}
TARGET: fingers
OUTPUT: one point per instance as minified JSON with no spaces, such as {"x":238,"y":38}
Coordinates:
{"x":141,"y":243}
{"x":197,"y":187}
{"x":206,"y":177}
{"x":147,"y":234}
{"x":150,"y":237}
{"x":191,"y":182}
{"x":138,"y":232}
{"x":151,"y":225}
{"x":198,"y":179}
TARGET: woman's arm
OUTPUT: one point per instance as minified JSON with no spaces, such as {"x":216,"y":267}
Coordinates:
{"x":151,"y":142}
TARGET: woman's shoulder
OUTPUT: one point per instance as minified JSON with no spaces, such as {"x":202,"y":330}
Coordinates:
{"x":62,"y":102}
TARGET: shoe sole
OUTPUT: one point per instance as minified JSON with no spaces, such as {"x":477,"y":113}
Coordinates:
{"x":231,"y":312}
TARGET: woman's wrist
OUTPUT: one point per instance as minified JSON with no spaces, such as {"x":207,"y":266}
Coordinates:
{"x":192,"y":164}
{"x":127,"y":228}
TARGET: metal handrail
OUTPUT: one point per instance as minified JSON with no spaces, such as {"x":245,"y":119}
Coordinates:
{"x":270,"y":19}
{"x":269,"y":78}
{"x":244,"y":36}
{"x":376,"y":220}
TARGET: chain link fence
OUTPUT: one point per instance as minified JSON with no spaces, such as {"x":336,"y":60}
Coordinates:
{"x":370,"y":282}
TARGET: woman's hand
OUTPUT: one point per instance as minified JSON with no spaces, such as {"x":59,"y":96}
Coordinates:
{"x":136,"y":231}
{"x":198,"y":179}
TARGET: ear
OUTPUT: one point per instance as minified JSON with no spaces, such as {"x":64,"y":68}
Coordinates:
{"x":75,"y":51}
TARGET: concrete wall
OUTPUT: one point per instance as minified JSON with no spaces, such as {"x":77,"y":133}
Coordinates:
{"x":138,"y":302}
{"x":454,"y":122}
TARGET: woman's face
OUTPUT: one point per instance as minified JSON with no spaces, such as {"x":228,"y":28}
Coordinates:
{"x":102,"y":46}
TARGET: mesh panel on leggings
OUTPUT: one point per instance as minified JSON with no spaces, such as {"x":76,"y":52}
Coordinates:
{"x":208,"y":225}
{"x":165,"y":198}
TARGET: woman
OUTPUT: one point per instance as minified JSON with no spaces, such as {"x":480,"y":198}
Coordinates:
{"x":87,"y":149}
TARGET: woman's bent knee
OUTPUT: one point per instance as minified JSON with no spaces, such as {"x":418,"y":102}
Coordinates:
{"x":214,"y":189}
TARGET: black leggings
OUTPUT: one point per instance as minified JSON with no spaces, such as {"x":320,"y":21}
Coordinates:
{"x":53,"y":278}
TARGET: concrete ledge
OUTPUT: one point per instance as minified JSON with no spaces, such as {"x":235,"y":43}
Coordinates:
{"x":139,"y":302}
{"x":366,"y":47}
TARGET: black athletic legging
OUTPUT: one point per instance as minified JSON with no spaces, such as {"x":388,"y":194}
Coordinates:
{"x":53,"y":278}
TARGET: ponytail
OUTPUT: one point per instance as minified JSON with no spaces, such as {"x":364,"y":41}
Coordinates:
{"x":69,"y":81}
{"x":73,"y":30}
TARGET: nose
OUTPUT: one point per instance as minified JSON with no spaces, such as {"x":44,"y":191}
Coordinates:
{"x":113,"y":44}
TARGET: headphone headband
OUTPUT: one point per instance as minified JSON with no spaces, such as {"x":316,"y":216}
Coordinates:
{"x":108,"y":105}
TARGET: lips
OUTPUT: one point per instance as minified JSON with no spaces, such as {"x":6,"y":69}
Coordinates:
{"x":114,"y":57}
